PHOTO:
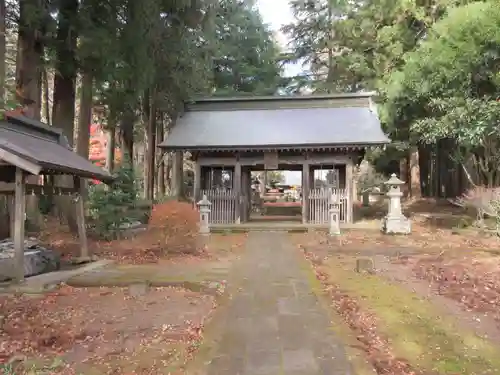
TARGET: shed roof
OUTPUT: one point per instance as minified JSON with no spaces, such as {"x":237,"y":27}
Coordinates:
{"x":296,"y":122}
{"x":36,"y":147}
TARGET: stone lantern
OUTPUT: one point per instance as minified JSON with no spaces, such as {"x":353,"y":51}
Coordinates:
{"x":204,"y":208}
{"x":395,"y":222}
{"x":334,"y":212}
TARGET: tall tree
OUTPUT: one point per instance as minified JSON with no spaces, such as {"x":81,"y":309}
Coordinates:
{"x":449,"y":89}
{"x":314,"y":41}
{"x":246,"y":53}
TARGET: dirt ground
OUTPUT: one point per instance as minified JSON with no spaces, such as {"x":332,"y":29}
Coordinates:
{"x":448,"y":282}
{"x":118,"y":330}
{"x":104,"y":330}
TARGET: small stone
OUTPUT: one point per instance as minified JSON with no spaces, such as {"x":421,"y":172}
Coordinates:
{"x":138,"y":289}
{"x":365,"y":265}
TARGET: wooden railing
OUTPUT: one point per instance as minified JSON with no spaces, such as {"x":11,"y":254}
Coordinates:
{"x":319,"y":204}
{"x":223,"y":205}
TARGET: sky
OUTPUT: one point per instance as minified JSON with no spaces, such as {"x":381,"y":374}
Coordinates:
{"x":277,"y":13}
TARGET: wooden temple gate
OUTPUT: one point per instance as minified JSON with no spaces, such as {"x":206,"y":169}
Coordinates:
{"x":233,"y":136}
{"x":226,"y":182}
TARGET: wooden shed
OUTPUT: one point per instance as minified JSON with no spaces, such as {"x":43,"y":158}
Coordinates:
{"x":30,"y":148}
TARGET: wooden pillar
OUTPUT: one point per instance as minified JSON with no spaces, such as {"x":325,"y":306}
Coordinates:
{"x":249,"y":195}
{"x":305,"y":191}
{"x":178,"y":174}
{"x":247,"y":191}
{"x":196,"y":182}
{"x":12,"y":215}
{"x":19,"y":214}
{"x":79,"y":185}
{"x":244,"y":193}
{"x":237,"y":191}
{"x":312,"y":172}
{"x":349,"y":186}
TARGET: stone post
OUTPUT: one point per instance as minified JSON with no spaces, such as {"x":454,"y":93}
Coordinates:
{"x":204,"y":208}
{"x":334,"y":211}
{"x":395,"y":222}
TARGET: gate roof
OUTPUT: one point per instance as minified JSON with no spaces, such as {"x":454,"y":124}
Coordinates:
{"x":277,"y":123}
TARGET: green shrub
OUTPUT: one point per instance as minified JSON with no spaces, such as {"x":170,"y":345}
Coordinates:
{"x":115,"y":205}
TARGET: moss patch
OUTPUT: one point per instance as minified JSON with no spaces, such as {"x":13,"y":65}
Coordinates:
{"x":414,"y":327}
{"x":357,"y":357}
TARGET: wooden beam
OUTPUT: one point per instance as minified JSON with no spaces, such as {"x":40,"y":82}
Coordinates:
{"x":80,"y":219}
{"x":245,"y":189}
{"x":305,"y":192}
{"x":314,"y":158}
{"x":20,"y":211}
{"x":9,"y":189}
{"x":20,"y":162}
{"x":196,"y":182}
{"x":237,"y":190}
{"x":216,"y":161}
{"x":12,"y":215}
{"x":349,"y":186}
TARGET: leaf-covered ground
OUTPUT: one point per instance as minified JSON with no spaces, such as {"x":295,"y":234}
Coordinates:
{"x":102,"y":327}
{"x":103,"y":330}
{"x":403,"y":326}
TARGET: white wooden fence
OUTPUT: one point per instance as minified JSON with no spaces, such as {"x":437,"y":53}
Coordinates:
{"x":319,"y":204}
{"x":223,"y":205}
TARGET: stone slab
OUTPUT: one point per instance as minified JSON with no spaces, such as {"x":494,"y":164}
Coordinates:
{"x":274,"y":323}
{"x":37,"y":259}
{"x":46,"y":281}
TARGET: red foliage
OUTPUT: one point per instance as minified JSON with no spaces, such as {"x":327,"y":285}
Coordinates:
{"x":178,"y":223}
{"x":97,"y":149}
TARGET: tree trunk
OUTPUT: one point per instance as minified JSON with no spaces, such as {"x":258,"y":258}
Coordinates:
{"x":28,"y":73}
{"x":29,"y":55}
{"x":110,"y":146}
{"x":2,"y":52}
{"x":414,"y":181}
{"x":46,"y":96}
{"x":63,"y":110}
{"x":83,"y":138}
{"x":404,"y":175}
{"x":424,"y":161}
{"x":161,"y":162}
{"x":149,"y":181}
{"x":127,"y":133}
{"x":168,"y":172}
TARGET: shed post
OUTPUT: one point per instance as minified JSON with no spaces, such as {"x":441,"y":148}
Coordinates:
{"x":12,"y":215}
{"x":79,"y":185}
{"x":19,"y":217}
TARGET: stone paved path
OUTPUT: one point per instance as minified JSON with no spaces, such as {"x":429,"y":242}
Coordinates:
{"x":275,"y":324}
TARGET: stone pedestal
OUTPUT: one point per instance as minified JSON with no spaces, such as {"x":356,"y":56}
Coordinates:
{"x":334,"y":219}
{"x":204,"y":208}
{"x":395,"y":222}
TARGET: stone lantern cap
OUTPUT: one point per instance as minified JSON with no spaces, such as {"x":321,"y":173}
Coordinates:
{"x":394,"y":180}
{"x":204,"y":202}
